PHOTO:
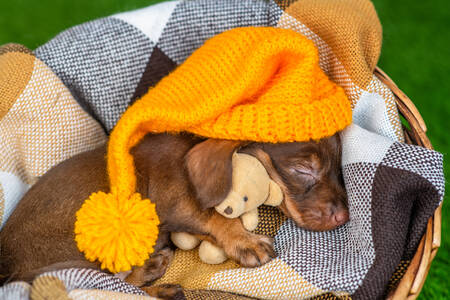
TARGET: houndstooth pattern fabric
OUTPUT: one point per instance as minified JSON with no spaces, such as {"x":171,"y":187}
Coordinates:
{"x":418,"y":160}
{"x":101,"y":63}
{"x":193,"y":22}
{"x":80,"y":294}
{"x":73,"y":284}
{"x":336,"y":260}
{"x":18,"y":290}
{"x":393,"y":188}
{"x":92,"y":279}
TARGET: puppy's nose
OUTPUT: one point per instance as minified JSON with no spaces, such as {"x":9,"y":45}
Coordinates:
{"x":341,"y":217}
{"x":228,"y":210}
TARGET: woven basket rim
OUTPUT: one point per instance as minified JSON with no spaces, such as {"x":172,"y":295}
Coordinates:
{"x":412,"y":281}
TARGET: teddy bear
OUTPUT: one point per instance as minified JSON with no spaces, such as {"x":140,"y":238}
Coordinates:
{"x":251,"y":187}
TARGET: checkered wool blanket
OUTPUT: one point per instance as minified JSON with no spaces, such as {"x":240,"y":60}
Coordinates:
{"x":66,"y":96}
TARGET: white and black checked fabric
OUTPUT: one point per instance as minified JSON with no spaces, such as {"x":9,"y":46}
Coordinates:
{"x":193,"y":22}
{"x":417,"y":160}
{"x":393,"y":189}
{"x":72,"y":279}
{"x":101,"y":62}
{"x":93,"y":279}
{"x":385,"y":219}
{"x":18,"y":290}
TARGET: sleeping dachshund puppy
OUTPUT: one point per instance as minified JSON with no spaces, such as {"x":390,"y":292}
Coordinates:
{"x":185,"y":176}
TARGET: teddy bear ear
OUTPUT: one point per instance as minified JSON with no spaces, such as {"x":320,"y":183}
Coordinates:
{"x":275,"y":194}
{"x":209,"y":166}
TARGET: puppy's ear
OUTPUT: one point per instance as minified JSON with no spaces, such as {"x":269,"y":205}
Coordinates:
{"x":209,"y":167}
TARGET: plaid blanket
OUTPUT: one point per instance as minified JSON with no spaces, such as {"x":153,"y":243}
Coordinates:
{"x":66,"y":96}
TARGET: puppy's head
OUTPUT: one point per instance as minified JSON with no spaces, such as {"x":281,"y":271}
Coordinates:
{"x":308,"y":174}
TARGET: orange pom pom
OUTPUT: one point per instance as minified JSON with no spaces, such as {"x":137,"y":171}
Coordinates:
{"x":120,"y":233}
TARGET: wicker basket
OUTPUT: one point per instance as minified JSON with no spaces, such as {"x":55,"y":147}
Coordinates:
{"x":412,"y":281}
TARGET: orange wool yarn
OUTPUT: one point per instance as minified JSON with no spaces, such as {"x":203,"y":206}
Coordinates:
{"x":256,"y":83}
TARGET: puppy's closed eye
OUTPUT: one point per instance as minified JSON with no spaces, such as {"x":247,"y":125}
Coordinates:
{"x":304,"y":174}
{"x":308,"y":165}
{"x":301,"y":170}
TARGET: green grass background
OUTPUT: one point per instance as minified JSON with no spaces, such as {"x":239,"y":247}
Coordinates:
{"x":416,"y":49}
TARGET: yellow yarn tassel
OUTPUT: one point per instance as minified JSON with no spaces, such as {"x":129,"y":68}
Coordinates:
{"x":120,"y":233}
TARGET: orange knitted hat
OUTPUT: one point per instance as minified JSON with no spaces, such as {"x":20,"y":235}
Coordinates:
{"x":257,"y":83}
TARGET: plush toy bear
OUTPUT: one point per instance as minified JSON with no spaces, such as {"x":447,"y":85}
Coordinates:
{"x":251,"y":187}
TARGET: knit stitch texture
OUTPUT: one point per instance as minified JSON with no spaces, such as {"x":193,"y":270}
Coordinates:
{"x":260,"y":84}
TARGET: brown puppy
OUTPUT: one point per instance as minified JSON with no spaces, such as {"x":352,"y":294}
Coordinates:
{"x":186,"y":177}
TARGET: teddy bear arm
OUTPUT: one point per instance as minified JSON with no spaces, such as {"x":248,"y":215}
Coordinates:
{"x":250,"y":219}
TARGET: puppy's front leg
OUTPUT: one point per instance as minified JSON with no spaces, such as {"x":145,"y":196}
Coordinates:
{"x":248,"y":249}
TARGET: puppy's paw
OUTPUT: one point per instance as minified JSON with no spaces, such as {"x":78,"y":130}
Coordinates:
{"x":252,"y":250}
{"x":154,"y":268}
{"x":165,"y":291}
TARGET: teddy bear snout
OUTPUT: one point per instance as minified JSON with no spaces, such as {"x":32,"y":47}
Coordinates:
{"x":228,"y":210}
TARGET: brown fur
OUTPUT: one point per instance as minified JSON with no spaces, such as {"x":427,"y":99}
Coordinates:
{"x":185,"y":176}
